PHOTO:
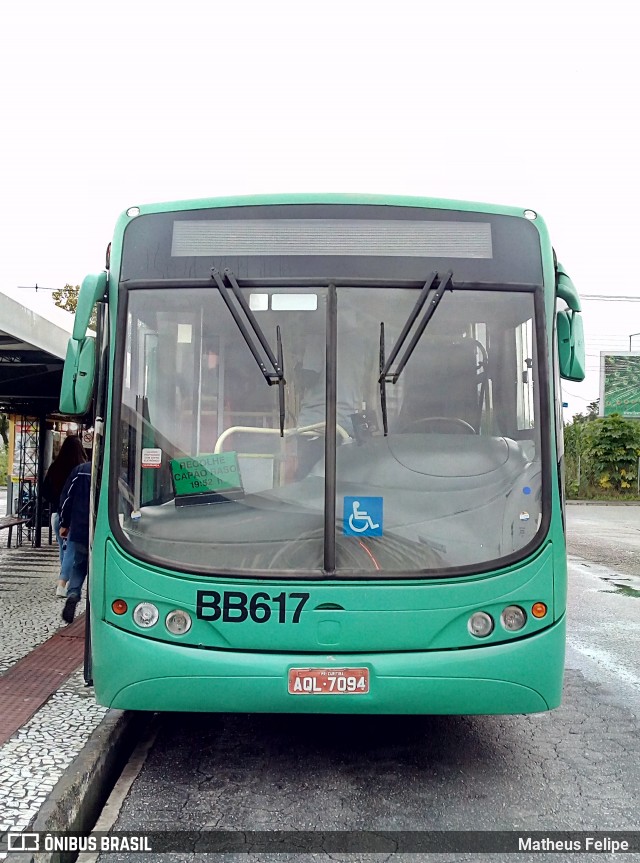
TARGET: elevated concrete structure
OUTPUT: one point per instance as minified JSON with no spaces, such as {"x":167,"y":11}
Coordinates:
{"x":32,"y":351}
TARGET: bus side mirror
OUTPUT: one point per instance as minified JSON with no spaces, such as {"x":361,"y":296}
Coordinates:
{"x":93,"y":289}
{"x":571,"y":350}
{"x":78,"y":376}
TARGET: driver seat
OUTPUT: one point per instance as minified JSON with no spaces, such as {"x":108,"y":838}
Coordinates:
{"x":443,"y":379}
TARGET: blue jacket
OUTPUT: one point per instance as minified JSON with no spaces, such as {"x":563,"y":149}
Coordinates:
{"x":74,"y":504}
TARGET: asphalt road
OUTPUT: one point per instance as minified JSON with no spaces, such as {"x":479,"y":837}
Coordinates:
{"x":608,"y":535}
{"x":576,"y":768}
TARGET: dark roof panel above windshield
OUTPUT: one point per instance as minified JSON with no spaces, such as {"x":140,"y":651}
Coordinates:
{"x":329,"y":240}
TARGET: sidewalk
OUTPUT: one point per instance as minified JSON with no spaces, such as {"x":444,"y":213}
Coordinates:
{"x":49,"y":717}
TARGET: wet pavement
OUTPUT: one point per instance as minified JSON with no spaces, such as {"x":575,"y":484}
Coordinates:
{"x":607,"y":535}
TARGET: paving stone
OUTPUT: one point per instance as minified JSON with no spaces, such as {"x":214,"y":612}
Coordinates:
{"x":34,"y":758}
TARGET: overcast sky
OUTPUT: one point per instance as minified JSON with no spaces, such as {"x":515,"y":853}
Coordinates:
{"x":107,"y":105}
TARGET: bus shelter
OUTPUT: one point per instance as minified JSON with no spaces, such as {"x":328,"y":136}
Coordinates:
{"x":32,"y":351}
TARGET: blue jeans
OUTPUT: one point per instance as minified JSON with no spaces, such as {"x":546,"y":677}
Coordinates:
{"x":74,"y":567}
{"x":55,"y":524}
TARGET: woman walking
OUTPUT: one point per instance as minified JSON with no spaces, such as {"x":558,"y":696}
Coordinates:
{"x":71,"y":455}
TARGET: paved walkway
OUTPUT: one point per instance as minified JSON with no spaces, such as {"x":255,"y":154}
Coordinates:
{"x":28,"y":684}
{"x":47,"y":711}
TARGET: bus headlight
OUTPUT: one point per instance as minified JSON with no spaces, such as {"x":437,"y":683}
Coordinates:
{"x":480,"y":624}
{"x":513,"y":618}
{"x":145,"y":614}
{"x":178,"y":622}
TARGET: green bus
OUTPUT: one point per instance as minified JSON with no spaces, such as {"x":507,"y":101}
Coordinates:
{"x":327,"y":468}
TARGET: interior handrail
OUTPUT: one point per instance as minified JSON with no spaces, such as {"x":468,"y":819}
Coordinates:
{"x":287,"y":432}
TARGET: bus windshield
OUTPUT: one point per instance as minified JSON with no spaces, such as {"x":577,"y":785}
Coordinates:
{"x":205,"y":480}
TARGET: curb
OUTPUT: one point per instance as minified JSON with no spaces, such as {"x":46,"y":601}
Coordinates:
{"x":602,"y":502}
{"x":82,"y":790}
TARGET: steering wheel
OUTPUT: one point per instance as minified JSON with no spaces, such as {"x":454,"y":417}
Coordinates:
{"x":460,"y":426}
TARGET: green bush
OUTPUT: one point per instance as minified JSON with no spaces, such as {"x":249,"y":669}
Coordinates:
{"x":615,"y":450}
{"x":601,"y":457}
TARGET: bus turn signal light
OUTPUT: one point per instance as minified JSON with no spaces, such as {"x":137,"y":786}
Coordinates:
{"x":119,"y":606}
{"x":538,"y":609}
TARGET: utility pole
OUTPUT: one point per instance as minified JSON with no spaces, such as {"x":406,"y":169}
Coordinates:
{"x":630,"y":337}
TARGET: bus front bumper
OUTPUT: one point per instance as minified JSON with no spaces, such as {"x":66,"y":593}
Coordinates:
{"x":136,"y":673}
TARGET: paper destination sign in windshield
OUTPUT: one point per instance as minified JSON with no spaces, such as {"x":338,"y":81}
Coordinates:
{"x":216,"y":473}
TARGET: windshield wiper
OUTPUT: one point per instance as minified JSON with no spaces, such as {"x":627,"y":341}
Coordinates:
{"x":386,"y":375}
{"x":281,"y":380}
{"x":276,"y":374}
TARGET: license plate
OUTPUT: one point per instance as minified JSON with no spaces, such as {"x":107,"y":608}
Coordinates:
{"x":328,"y":681}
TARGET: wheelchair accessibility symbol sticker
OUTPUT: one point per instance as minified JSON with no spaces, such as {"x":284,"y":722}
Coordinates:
{"x":362,"y":516}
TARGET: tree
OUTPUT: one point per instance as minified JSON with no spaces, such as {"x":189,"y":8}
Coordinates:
{"x":615,"y":448}
{"x":67,"y":298}
{"x":601,"y":454}
{"x":578,"y":441}
{"x":4,"y":430}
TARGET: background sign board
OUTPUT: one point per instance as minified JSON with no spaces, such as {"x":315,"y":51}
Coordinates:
{"x":620,"y":384}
